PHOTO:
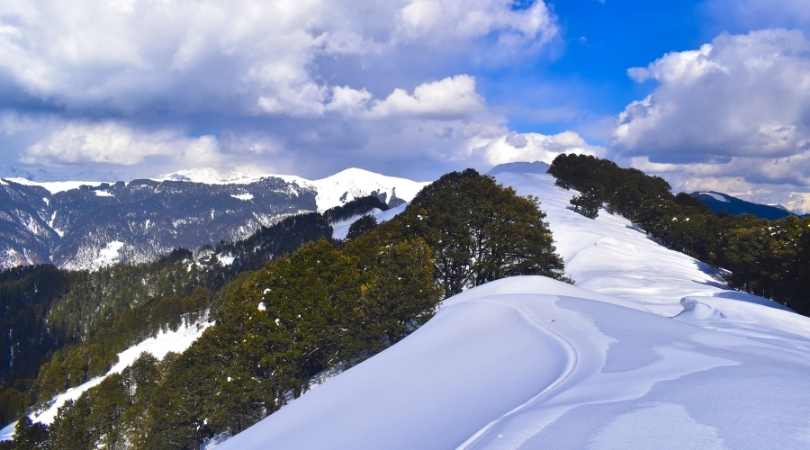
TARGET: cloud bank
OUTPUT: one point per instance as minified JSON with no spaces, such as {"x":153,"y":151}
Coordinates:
{"x":317,"y":84}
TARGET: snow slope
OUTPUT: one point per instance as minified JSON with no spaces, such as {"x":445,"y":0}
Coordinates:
{"x":351,"y":183}
{"x":158,"y":346}
{"x":341,"y":229}
{"x":55,"y":186}
{"x":648,"y":350}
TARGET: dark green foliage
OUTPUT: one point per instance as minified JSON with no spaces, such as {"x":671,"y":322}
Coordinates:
{"x":110,"y":414}
{"x":323,"y":308}
{"x":26,"y":297}
{"x":764,"y":257}
{"x":12,"y":404}
{"x":361,"y":226}
{"x":30,"y":436}
{"x":69,"y":326}
{"x":72,"y":429}
{"x":354,"y":208}
{"x":587,"y":203}
{"x":272,"y":242}
{"x":480,"y":231}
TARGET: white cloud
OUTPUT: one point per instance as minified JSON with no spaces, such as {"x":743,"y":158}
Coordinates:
{"x":452,"y":96}
{"x":748,"y":15}
{"x":116,"y":144}
{"x":300,"y":86}
{"x":440,"y":20}
{"x":679,"y":67}
{"x":242,"y":55}
{"x":348,"y":101}
{"x":515,"y":147}
{"x":743,"y":95}
{"x":732,"y":116}
{"x":799,"y":202}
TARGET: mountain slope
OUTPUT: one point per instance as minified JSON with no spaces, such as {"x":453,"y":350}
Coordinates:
{"x":352,"y":183}
{"x":162,"y":343}
{"x":649,"y":350}
{"x":88,"y":225}
{"x":726,"y":204}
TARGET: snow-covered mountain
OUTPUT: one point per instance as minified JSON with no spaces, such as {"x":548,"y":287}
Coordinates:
{"x":87,"y":224}
{"x":727,"y":204}
{"x":649,"y":350}
{"x":331,"y":191}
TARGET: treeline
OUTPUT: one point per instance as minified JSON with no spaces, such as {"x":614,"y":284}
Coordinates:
{"x":320,"y":310}
{"x":770,"y":258}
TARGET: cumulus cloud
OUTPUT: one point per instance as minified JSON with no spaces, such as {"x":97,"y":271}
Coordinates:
{"x":733,"y":115}
{"x":250,"y":56}
{"x":741,"y":95}
{"x":452,"y":96}
{"x":514,"y":147}
{"x":440,"y":20}
{"x":307,"y":85}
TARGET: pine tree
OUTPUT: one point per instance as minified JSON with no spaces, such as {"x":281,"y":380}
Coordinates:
{"x":361,"y":226}
{"x":480,"y":231}
{"x":587,"y":203}
{"x":30,"y":436}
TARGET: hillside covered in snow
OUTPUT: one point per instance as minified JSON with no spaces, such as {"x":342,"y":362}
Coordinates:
{"x":88,"y":225}
{"x":648,"y":350}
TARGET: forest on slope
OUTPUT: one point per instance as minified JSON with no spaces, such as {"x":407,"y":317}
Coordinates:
{"x":285,"y":322}
{"x":324,"y":308}
{"x":769,"y":258}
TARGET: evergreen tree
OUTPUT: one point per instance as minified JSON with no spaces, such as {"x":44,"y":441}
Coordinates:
{"x":480,"y":231}
{"x":587,"y":203}
{"x":361,"y":226}
{"x":30,"y":436}
{"x":71,"y":429}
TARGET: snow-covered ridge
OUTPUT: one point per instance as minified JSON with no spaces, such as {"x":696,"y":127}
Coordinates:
{"x":648,"y":350}
{"x":715,"y":195}
{"x":55,"y":187}
{"x":332,"y":191}
{"x":341,"y":229}
{"x":159,"y":346}
{"x":131,"y":220}
{"x":351,"y":183}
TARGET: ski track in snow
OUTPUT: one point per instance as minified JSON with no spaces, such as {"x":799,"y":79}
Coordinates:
{"x":649,"y":350}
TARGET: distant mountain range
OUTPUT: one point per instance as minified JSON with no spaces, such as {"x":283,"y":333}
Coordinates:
{"x":87,"y":225}
{"x":726,"y":204}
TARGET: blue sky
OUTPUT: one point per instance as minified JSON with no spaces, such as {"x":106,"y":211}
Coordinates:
{"x":599,"y":42}
{"x":709,"y":94}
